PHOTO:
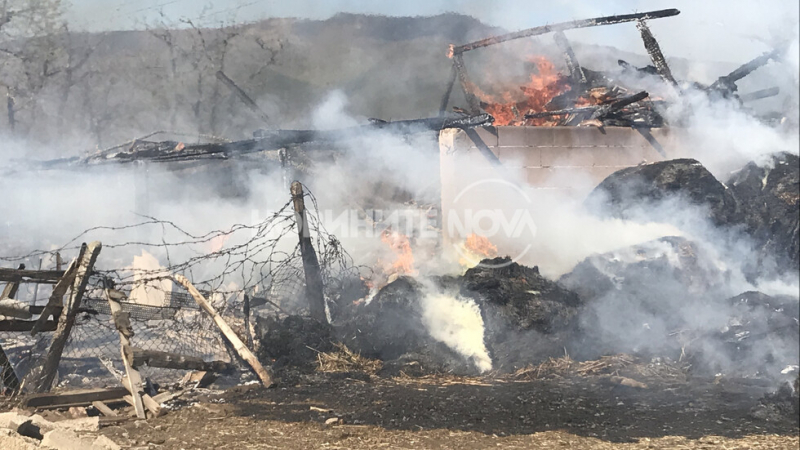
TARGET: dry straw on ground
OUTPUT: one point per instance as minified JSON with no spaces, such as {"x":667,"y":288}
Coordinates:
{"x":344,"y":360}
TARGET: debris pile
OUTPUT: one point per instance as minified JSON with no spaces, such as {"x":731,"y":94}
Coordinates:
{"x":761,"y":200}
{"x":588,"y":97}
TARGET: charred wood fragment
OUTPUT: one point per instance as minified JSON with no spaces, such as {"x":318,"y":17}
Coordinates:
{"x":466,"y":84}
{"x":758,"y":95}
{"x":242,"y":96}
{"x":654,"y":50}
{"x":593,"y":112}
{"x":650,"y":70}
{"x":727,"y":84}
{"x":574,"y":67}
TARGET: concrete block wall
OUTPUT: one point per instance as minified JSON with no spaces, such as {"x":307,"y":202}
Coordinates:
{"x":549,"y":156}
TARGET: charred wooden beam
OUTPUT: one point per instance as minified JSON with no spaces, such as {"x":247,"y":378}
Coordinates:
{"x":242,"y":96}
{"x":727,"y":83}
{"x":466,"y":84}
{"x":593,"y":112}
{"x":29,"y":276}
{"x":73,"y":397}
{"x":628,"y":66}
{"x":446,"y":97}
{"x":607,"y":20}
{"x":654,"y":50}
{"x":574,"y":67}
{"x":287,"y":138}
{"x":758,"y":95}
{"x":167,"y":360}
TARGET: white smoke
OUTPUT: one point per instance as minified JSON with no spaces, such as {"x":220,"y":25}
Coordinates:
{"x":457,"y":323}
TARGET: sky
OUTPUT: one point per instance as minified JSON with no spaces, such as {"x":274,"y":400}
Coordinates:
{"x":711,"y":30}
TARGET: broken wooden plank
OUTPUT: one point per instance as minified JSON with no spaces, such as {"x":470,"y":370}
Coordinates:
{"x":104,"y":409}
{"x":227,"y":332}
{"x":73,"y":397}
{"x":166,"y":360}
{"x":67,"y":319}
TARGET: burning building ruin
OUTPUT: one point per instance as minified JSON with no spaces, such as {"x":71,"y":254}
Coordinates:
{"x":570,"y":229}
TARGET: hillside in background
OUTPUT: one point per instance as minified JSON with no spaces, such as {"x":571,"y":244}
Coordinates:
{"x":107,"y":88}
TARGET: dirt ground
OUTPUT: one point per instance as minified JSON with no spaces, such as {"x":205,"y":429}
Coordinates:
{"x":466,"y":413}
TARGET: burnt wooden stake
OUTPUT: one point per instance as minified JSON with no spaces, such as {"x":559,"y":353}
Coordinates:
{"x":67,"y":318}
{"x":246,"y":311}
{"x":314,"y":287}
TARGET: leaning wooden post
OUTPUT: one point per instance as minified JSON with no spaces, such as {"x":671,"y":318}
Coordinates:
{"x":314,"y":286}
{"x":67,"y":318}
{"x":226,"y":330}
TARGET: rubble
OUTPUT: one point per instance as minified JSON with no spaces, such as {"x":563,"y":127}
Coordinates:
{"x":761,"y":330}
{"x":20,"y":431}
{"x":769,"y":195}
{"x":677,"y":265}
{"x":627,"y":192}
{"x":520,"y":306}
{"x":761,"y":201}
{"x":293,"y":341}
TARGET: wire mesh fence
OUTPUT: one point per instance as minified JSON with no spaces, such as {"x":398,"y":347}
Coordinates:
{"x":259,"y":262}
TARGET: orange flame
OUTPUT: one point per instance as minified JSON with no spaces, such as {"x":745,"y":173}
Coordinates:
{"x":476,"y":248}
{"x":544,"y":85}
{"x":401,"y":246}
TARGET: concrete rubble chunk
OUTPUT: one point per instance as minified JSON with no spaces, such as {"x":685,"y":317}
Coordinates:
{"x":61,"y":439}
{"x":83,"y":424}
{"x":10,"y":440}
{"x":12,"y":419}
{"x":35,"y":426}
{"x":104,"y":443}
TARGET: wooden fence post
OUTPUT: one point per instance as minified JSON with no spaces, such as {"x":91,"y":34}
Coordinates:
{"x":313,"y":275}
{"x":122,"y":322}
{"x":67,"y":318}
